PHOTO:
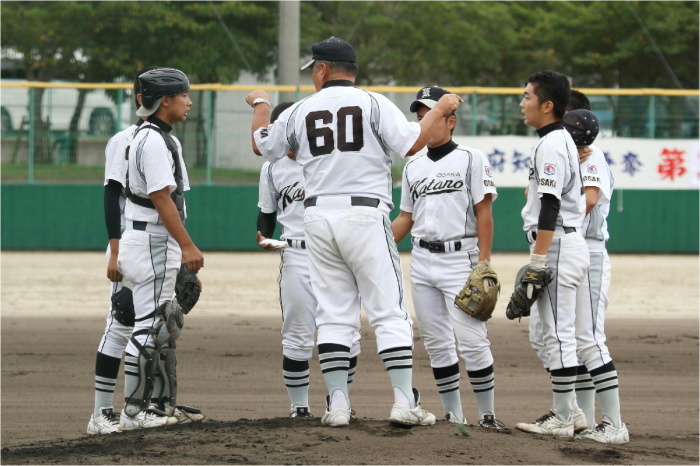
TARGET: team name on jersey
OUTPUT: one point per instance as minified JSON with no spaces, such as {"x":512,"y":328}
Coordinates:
{"x":424,"y":187}
{"x":548,"y":182}
{"x":594,"y":179}
{"x":291,"y":193}
{"x":489,"y":183}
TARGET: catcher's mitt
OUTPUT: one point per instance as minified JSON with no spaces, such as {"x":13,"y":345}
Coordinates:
{"x":529,"y":285}
{"x":123,"y":306}
{"x":187,"y":289}
{"x":479,"y":295}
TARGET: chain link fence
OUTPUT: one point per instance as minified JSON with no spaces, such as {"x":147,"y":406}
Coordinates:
{"x":57,"y":132}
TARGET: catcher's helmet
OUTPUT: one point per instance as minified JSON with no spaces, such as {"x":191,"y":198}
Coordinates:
{"x":162,"y":82}
{"x":582,"y":125}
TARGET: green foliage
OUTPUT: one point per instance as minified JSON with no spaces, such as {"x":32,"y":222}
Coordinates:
{"x":487,"y":43}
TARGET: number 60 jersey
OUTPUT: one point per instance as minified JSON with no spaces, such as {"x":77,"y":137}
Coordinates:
{"x":342,"y":137}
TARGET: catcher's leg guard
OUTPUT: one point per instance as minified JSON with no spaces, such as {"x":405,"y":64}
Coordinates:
{"x":167,"y":372}
{"x":172,"y":319}
{"x":138,"y":399}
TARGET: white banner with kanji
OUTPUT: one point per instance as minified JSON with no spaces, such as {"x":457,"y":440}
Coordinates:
{"x":635,"y":163}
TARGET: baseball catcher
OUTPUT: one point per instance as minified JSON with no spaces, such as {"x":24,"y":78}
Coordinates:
{"x":530,"y":283}
{"x":480,"y":293}
{"x":187,"y":289}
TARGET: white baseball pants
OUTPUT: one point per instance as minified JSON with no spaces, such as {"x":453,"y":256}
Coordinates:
{"x":436,"y":278}
{"x":352,"y":250}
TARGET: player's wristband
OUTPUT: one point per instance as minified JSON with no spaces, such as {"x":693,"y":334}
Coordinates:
{"x":260,"y":100}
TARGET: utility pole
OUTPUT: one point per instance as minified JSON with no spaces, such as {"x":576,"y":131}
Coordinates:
{"x":288,"y":46}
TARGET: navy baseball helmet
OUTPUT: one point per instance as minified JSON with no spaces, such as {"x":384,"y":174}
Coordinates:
{"x":428,"y":96}
{"x":582,"y":125}
{"x":159,"y":83}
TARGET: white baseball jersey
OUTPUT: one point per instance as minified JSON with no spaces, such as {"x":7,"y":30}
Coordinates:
{"x":148,"y":174}
{"x":340,"y":130}
{"x":281,"y":190}
{"x":554,"y":169}
{"x":116,"y":163}
{"x":441,"y":194}
{"x":595,"y":171}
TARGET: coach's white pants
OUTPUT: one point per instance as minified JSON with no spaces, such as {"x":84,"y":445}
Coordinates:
{"x":351,"y":250}
{"x":592,"y":301}
{"x":116,"y":335}
{"x":151,"y":263}
{"x":553,"y":316}
{"x":436,"y":278}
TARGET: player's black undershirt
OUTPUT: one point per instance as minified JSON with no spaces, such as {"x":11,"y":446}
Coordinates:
{"x":549,"y":211}
{"x":266,"y":223}
{"x":113,"y":190}
{"x":160,"y":123}
{"x":545,"y":130}
{"x":436,"y":153}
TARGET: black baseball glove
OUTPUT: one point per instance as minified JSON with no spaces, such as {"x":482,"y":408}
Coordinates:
{"x":529,"y":285}
{"x":187,"y":289}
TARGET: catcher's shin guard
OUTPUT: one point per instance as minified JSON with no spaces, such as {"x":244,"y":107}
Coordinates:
{"x":172,"y":319}
{"x":167,"y":363}
{"x":147,"y":364}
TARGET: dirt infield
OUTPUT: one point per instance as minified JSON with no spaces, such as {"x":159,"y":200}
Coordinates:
{"x":53,"y":310}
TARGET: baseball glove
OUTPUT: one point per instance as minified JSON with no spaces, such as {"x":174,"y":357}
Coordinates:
{"x":479,"y":295}
{"x":529,"y":285}
{"x":187,"y":289}
{"x":123,"y":306}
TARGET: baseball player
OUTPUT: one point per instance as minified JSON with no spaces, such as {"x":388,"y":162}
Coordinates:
{"x":281,"y":199}
{"x":446,"y":199}
{"x":152,"y":248}
{"x":559,"y":256}
{"x":597,"y":371}
{"x":342,"y":136}
{"x":116,"y":334}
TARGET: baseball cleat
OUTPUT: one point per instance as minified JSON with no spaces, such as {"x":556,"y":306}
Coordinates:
{"x":185,"y":414}
{"x":106,"y":423}
{"x":548,"y":424}
{"x":579,"y":418}
{"x":606,"y":433}
{"x":301,"y":412}
{"x":146,"y":419}
{"x":490,"y":422}
{"x":449,"y":417}
{"x":411,"y":417}
{"x":339,"y":417}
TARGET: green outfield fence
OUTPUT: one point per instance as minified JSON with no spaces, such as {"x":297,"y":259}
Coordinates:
{"x":70,"y":217}
{"x":53,"y":161}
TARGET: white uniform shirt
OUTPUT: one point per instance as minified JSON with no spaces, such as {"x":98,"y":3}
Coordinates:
{"x":554,"y":169}
{"x":341,"y":136}
{"x":441,"y":194}
{"x":281,"y":190}
{"x":151,"y":168}
{"x":116,"y":164}
{"x":595,"y":171}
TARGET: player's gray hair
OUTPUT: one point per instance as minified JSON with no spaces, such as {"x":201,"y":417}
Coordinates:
{"x":342,"y":66}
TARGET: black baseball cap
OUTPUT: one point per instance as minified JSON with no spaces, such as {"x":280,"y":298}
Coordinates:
{"x":582,"y":125}
{"x":428,"y":96}
{"x":332,"y":49}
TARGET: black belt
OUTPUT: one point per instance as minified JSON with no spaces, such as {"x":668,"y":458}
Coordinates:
{"x":533,"y":234}
{"x":139,"y":225}
{"x":355,"y":201}
{"x":299,"y":244}
{"x":437,"y":246}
